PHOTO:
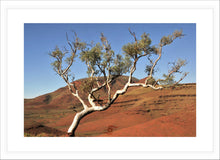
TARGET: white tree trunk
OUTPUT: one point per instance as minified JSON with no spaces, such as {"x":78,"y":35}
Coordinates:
{"x":76,"y":120}
{"x":94,"y":107}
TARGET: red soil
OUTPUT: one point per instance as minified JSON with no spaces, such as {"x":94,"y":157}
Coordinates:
{"x":177,"y":125}
{"x":140,"y":112}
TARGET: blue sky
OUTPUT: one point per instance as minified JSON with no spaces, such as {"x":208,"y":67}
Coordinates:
{"x":40,"y":39}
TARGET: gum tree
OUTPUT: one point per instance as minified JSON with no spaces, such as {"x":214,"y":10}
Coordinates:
{"x":104,"y":66}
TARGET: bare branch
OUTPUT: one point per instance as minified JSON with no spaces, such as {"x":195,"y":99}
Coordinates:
{"x":132,"y":70}
{"x":74,"y":50}
{"x":133,"y":34}
{"x":105,"y":43}
{"x":154,"y":64}
{"x":184,"y":75}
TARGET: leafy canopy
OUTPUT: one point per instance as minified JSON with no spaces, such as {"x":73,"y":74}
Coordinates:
{"x":102,"y":61}
{"x":139,"y":47}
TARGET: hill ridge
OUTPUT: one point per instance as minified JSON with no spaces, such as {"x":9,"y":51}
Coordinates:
{"x":137,"y":106}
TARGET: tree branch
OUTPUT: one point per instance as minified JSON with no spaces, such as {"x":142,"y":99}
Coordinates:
{"x":184,"y":75}
{"x":74,"y":50}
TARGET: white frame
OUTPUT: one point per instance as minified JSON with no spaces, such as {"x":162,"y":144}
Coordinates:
{"x":12,"y":143}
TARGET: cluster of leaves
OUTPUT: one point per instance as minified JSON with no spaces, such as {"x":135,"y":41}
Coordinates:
{"x":166,"y":40}
{"x":168,"y":80}
{"x":101,"y":60}
{"x":175,"y":68}
{"x":139,"y":47}
{"x":87,"y":85}
{"x":148,"y":69}
{"x":151,"y":81}
{"x":121,"y":65}
{"x":58,"y":55}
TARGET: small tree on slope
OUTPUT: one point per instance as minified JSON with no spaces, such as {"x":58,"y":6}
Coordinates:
{"x":104,"y":66}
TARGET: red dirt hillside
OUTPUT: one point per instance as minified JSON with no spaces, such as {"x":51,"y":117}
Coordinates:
{"x":170,"y":112}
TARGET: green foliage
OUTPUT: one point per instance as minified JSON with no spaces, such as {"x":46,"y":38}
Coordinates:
{"x":145,"y":40}
{"x":131,"y":49}
{"x":151,"y":81}
{"x":166,"y":40}
{"x":177,"y":65}
{"x":69,"y":59}
{"x":121,"y":65}
{"x":154,"y":50}
{"x":87,"y":85}
{"x":80,"y":45}
{"x":58,"y":55}
{"x":139,"y":47}
{"x":148,"y":69}
{"x":102,"y":60}
{"x":93,"y":55}
{"x":177,"y":34}
{"x":168,"y":80}
{"x":55,"y":65}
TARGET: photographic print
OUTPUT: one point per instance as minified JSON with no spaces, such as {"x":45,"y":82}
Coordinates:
{"x":109,"y":80}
